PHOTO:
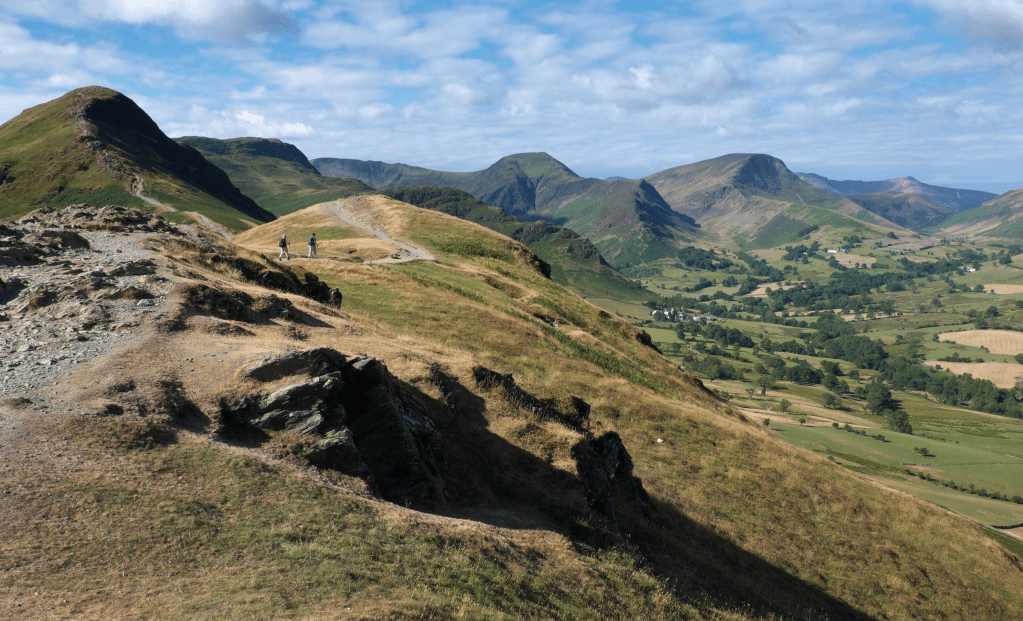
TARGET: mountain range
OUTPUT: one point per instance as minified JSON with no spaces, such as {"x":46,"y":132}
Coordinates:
{"x":626,"y":219}
{"x":950,"y":198}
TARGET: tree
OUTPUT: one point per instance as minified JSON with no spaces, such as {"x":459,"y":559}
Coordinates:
{"x":767,"y":422}
{"x":879,"y":400}
{"x":784,"y":405}
{"x":802,"y":420}
{"x":899,"y":421}
{"x":831,"y":401}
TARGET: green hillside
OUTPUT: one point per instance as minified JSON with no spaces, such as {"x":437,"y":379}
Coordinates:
{"x":1001,"y":217}
{"x":571,"y":471}
{"x":95,"y":145}
{"x":275,"y":174}
{"x":282,"y":180}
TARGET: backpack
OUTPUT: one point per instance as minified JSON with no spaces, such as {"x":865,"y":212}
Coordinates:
{"x":312,"y":240}
{"x":283,"y":243}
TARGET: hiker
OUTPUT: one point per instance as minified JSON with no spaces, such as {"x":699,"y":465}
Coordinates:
{"x":285,"y":252}
{"x":312,"y":246}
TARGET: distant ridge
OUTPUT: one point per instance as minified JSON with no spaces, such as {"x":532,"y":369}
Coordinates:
{"x":951,"y":198}
{"x":277,"y":175}
{"x":626,"y":219}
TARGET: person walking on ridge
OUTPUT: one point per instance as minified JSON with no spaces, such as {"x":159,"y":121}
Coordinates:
{"x":312,"y":246}
{"x":285,"y":251}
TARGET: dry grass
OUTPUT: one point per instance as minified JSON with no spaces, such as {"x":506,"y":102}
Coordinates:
{"x":849,"y":260}
{"x":1005,"y":342}
{"x":1001,"y":374}
{"x":1003,"y":289}
{"x":168,"y":520}
{"x":761,"y":291}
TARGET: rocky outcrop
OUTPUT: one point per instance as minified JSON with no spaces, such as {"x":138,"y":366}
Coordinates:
{"x":74,"y":282}
{"x":571,"y":414}
{"x":318,"y":361}
{"x":260,"y":271}
{"x":354,"y":417}
{"x":605,"y":469}
{"x":604,"y":466}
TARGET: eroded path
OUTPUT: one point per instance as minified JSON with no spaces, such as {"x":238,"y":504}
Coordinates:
{"x":363,"y":222}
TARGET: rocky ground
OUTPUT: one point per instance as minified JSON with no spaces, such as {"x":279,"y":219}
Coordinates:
{"x":74,"y":285}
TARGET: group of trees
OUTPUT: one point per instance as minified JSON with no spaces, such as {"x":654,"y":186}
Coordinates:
{"x":699,"y":258}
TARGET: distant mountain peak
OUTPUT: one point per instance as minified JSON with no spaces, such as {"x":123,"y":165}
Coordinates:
{"x":762,"y":172}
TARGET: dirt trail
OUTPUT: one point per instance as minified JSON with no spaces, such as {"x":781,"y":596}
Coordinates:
{"x":138,"y":186}
{"x":216,"y":227}
{"x":349,"y":216}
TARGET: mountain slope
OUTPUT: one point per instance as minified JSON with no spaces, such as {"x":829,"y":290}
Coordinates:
{"x":1001,"y":217}
{"x":277,"y":175}
{"x":626,"y":219}
{"x":754,"y":200}
{"x":433,"y":447}
{"x":912,"y":211}
{"x":96,"y":145}
{"x":950,"y":198}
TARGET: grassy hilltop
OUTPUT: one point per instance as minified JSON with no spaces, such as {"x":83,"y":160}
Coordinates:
{"x":94,"y":145}
{"x":715,"y":519}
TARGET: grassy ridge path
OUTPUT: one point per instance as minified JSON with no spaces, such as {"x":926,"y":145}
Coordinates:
{"x":344,"y":212}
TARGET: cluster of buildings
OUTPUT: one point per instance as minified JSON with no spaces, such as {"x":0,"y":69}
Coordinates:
{"x":678,"y":315}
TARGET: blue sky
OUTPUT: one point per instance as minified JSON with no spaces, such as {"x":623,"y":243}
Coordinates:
{"x":868,"y":90}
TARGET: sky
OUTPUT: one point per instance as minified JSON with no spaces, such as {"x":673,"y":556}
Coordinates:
{"x":855,"y":90}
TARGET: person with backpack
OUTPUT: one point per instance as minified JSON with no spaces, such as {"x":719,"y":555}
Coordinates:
{"x":312,"y":246}
{"x":285,"y":251}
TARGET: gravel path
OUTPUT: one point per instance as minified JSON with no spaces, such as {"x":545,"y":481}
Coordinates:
{"x":408,"y":252}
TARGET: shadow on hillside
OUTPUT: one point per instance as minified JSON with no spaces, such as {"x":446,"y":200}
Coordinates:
{"x":490,"y":480}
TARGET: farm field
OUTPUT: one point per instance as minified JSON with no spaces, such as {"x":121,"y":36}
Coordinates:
{"x":1005,"y":342}
{"x":1001,"y":374}
{"x":982,"y":510}
{"x":964,"y":447}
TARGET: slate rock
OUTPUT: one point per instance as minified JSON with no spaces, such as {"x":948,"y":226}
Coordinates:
{"x":318,"y":361}
{"x":395,"y":437}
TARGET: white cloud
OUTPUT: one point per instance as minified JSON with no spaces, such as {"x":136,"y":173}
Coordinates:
{"x":1000,"y":21}
{"x":236,"y":20}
